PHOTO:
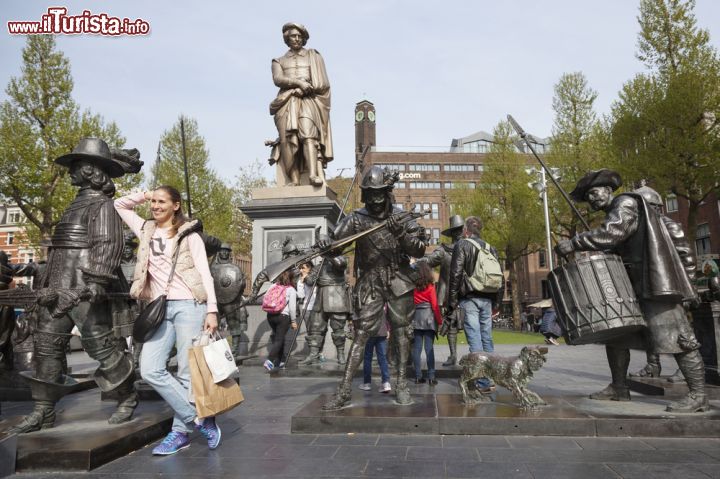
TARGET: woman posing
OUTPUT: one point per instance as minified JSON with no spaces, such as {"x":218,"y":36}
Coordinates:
{"x":191,"y":304}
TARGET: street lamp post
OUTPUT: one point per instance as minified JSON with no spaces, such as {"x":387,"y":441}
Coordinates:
{"x":541,"y":186}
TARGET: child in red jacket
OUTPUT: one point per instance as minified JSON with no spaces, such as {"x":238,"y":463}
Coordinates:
{"x":425,"y":323}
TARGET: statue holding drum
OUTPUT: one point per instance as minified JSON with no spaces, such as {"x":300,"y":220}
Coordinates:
{"x":634,"y":231}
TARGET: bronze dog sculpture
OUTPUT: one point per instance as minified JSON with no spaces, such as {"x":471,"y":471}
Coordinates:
{"x":513,"y":373}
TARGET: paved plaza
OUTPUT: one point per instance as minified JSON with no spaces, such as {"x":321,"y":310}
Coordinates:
{"x":257,"y":442}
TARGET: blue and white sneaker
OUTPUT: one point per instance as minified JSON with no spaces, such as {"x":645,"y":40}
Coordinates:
{"x":268,"y":365}
{"x":211,"y":431}
{"x":173,"y":442}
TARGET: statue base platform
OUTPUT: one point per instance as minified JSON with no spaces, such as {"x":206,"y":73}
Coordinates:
{"x":8,"y":452}
{"x":14,"y":387}
{"x":331,"y":369}
{"x":376,"y":413}
{"x":82,"y":439}
{"x":662,"y":387}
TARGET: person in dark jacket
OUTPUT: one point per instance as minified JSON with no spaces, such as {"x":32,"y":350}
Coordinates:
{"x":441,"y":256}
{"x":477,"y":306}
{"x":635,"y":231}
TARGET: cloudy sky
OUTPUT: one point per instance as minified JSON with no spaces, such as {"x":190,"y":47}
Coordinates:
{"x":435,"y":71}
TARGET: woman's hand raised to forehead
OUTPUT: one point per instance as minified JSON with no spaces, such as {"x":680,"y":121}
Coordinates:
{"x":148,"y":195}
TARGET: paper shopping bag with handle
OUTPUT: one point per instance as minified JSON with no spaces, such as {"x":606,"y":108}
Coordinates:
{"x":211,"y":399}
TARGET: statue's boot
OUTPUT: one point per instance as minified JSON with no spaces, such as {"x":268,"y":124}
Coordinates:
{"x":618,"y":390}
{"x":692,"y":367}
{"x":128,"y":401}
{"x":452,"y":343}
{"x":310,"y":151}
{"x":651,"y":370}
{"x":340,"y":399}
{"x":677,"y":377}
{"x":343,"y":395}
{"x":312,"y":358}
{"x":42,"y":417}
{"x":341,"y":355}
{"x":402,"y":391}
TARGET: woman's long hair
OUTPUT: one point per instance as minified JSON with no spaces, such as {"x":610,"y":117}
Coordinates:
{"x":286,"y":278}
{"x":425,"y":273}
{"x":179,"y":217}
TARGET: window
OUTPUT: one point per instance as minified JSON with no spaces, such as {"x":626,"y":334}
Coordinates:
{"x":425,"y":185}
{"x":10,"y":237}
{"x":424,"y":167}
{"x":435,"y":236}
{"x":671,"y":203}
{"x":481,"y":168}
{"x":459,"y":184}
{"x":400,"y":184}
{"x":542,"y":259}
{"x":459,"y":168}
{"x":14,"y":217}
{"x":702,"y":239}
{"x":391,"y":166}
{"x":435,"y":211}
{"x":29,"y":257}
{"x":399,"y":206}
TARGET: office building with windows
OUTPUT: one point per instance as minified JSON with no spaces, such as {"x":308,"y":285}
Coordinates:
{"x":428,"y":177}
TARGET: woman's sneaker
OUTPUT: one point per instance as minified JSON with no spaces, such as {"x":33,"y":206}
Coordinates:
{"x":365,"y":386}
{"x":173,"y":442}
{"x":211,"y":431}
{"x":385,"y":388}
{"x":268,"y":365}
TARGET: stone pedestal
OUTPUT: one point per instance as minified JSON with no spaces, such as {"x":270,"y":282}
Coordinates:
{"x":298,"y":212}
{"x":706,"y":323}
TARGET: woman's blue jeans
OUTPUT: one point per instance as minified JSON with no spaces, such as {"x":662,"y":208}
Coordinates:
{"x":379,"y":344}
{"x":183,"y":321}
{"x":424,"y":337}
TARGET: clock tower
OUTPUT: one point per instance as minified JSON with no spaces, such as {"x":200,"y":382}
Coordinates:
{"x":364,"y":126}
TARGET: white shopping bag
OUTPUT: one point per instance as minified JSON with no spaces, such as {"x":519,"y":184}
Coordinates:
{"x":219,"y":359}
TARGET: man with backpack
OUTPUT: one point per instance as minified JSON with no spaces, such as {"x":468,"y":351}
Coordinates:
{"x":476,"y":286}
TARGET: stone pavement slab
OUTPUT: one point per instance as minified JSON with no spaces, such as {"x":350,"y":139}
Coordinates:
{"x":257,"y":442}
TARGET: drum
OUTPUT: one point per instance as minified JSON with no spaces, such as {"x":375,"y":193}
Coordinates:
{"x":594,"y":299}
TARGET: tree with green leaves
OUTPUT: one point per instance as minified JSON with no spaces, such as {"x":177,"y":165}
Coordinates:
{"x":248,"y":179}
{"x":665,"y":123}
{"x":211,"y":200}
{"x":578,"y":145}
{"x":39,"y":122}
{"x":509,"y":209}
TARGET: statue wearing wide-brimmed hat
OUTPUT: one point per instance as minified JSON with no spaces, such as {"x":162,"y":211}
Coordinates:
{"x":301,"y":110}
{"x":83,"y":266}
{"x":441,"y":256}
{"x":635,"y":231}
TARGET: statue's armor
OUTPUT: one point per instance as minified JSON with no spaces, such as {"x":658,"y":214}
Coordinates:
{"x":332,"y":305}
{"x":384,"y":289}
{"x":230,"y":283}
{"x":85,"y":248}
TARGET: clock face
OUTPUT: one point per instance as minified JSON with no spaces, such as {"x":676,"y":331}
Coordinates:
{"x":359,"y":116}
{"x":371,"y":115}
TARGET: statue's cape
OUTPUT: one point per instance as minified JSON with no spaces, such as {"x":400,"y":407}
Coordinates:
{"x":663,"y":272}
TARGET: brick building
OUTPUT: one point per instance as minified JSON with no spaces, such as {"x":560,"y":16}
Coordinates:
{"x":428,"y":177}
{"x":13,"y":239}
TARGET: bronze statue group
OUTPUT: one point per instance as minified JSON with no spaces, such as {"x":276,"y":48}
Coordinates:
{"x":92,"y":281}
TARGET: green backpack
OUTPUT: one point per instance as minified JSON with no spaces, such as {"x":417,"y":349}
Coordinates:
{"x":487,"y":276}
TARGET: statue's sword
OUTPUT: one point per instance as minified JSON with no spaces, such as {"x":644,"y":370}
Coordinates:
{"x":24,"y":297}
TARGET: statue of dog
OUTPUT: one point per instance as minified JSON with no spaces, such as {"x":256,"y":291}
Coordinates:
{"x":513,"y":373}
